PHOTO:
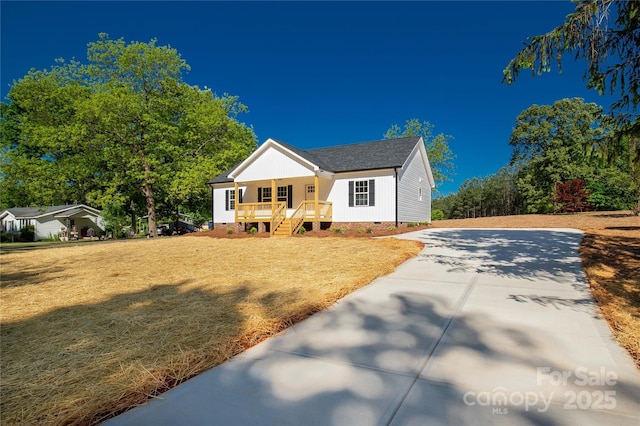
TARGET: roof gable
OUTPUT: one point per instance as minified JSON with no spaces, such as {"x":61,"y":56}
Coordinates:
{"x":273,"y":159}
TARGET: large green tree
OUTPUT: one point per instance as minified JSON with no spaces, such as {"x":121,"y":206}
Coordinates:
{"x":42,"y":159}
{"x":605,"y":34}
{"x":124,"y":130}
{"x":551,"y":146}
{"x":437,"y":146}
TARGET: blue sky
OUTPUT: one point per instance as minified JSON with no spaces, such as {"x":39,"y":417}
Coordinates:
{"x":317,"y":74}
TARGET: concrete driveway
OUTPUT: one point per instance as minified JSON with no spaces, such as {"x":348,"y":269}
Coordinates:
{"x":483,"y":327}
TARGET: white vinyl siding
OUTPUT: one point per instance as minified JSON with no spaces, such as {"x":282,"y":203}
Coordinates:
{"x":414,"y":190}
{"x":50,"y":226}
{"x":382,"y":211}
{"x":220,"y":212}
{"x":274,"y":164}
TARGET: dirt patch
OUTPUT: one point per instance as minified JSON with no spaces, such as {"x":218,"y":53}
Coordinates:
{"x":334,"y":232}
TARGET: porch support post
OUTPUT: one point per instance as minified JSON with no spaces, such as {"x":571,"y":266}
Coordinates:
{"x":273,"y":197}
{"x":237,"y":199}
{"x":316,"y":189}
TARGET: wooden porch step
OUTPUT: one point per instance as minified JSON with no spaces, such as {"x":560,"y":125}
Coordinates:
{"x":283,"y":230}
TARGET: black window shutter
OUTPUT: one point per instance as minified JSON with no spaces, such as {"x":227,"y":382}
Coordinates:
{"x":240,"y":196}
{"x":226,"y":199}
{"x":351,"y":193}
{"x":259,"y":195}
{"x":372,"y":192}
{"x":289,"y":197}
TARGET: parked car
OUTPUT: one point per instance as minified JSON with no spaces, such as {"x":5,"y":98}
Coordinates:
{"x":163,"y":230}
{"x":183,"y":230}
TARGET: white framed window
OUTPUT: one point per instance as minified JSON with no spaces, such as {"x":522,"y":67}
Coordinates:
{"x":230,"y":203}
{"x":230,"y":198}
{"x":362,"y":193}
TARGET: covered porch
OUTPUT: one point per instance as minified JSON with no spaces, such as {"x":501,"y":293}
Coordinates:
{"x":273,"y":202}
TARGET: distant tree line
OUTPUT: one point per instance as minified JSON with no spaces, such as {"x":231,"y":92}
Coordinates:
{"x":556,"y":166}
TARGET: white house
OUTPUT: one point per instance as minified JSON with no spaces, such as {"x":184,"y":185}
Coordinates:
{"x":280,"y":187}
{"x":71,"y":220}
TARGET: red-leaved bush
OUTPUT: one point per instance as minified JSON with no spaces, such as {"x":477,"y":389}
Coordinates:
{"x":572,"y":196}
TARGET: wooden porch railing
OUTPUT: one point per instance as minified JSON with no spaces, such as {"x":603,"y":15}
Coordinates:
{"x":325,"y":210}
{"x":276,"y":213}
{"x":279,"y":215}
{"x":246,"y":212}
{"x":297,"y":218}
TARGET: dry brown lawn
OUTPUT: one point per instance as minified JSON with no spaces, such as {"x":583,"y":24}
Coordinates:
{"x":610,"y":253}
{"x":89,"y":331}
{"x":93,"y":329}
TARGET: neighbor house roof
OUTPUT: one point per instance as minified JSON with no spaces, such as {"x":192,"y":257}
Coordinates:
{"x":381,"y":154}
{"x":63,"y":211}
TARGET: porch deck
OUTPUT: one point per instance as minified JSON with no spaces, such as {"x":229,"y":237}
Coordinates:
{"x":276,"y":214}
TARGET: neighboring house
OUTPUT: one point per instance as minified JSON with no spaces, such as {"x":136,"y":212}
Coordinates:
{"x":279,"y":187}
{"x":70,"y":221}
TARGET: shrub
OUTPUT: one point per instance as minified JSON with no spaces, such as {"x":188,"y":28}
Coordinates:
{"x":251,"y":231}
{"x":27,"y":233}
{"x":7,"y":237}
{"x":391,"y":228}
{"x":572,"y":196}
{"x":302,"y":230}
{"x":410,"y":225}
{"x":229,"y":231}
{"x":360,"y":230}
{"x":369,"y":230}
{"x":437,"y":214}
{"x":337,"y":230}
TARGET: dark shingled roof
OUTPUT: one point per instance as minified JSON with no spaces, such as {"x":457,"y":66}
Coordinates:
{"x":30,"y":212}
{"x":224,"y":176}
{"x":382,"y":154}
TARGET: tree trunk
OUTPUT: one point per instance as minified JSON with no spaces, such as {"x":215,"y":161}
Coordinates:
{"x":176,"y":220}
{"x":151,"y":209}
